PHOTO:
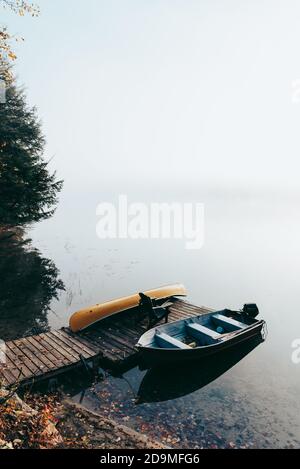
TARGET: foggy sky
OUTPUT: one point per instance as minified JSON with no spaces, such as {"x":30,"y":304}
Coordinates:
{"x":166,"y":89}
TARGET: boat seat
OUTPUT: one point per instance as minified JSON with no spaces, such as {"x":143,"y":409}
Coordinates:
{"x":202,"y":333}
{"x":155,"y":313}
{"x":166,"y":341}
{"x":229,"y":324}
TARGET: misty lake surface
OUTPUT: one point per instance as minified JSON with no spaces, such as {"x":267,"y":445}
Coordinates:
{"x":251,"y":254}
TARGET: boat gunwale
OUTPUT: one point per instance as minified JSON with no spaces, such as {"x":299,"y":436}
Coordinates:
{"x":220,"y":343}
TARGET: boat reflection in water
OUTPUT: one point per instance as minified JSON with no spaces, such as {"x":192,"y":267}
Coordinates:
{"x":163,"y":384}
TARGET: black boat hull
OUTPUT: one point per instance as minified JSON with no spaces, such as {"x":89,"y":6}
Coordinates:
{"x":151,"y":357}
{"x":163,"y":383}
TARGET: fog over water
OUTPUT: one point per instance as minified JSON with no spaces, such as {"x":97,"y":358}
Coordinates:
{"x":171,"y":101}
{"x":251,"y":253}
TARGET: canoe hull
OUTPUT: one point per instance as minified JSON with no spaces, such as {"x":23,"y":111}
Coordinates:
{"x":88,"y":316}
{"x":152,"y":357}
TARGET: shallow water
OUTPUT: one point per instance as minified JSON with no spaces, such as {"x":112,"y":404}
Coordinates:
{"x":251,"y":254}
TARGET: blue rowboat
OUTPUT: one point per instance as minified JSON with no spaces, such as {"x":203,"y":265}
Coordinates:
{"x":201,"y":336}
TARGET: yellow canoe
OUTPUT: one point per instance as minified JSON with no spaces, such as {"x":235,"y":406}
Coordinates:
{"x":88,"y":316}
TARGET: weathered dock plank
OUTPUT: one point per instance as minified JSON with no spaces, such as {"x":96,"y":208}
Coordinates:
{"x":111,"y":343}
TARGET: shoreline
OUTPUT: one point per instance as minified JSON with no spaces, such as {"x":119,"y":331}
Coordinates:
{"x":54,"y":422}
{"x":98,"y":432}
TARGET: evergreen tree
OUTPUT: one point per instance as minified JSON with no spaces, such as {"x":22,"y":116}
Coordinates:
{"x":28,"y":191}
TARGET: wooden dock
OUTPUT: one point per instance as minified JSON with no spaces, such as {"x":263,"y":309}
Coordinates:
{"x":109,"y":344}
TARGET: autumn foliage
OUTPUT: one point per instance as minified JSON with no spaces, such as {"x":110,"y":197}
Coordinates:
{"x":7,"y":53}
{"x":24,"y":426}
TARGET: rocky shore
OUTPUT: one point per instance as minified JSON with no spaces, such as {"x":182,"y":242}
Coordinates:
{"x":48,"y":422}
{"x":86,"y":429}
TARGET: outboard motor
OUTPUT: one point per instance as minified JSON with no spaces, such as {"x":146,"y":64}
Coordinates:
{"x":251,"y":310}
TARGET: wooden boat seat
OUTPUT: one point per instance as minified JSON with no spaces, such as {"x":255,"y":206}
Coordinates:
{"x":166,"y":341}
{"x":229,"y":324}
{"x":202,"y":333}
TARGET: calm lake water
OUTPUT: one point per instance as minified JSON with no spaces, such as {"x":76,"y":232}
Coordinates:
{"x":251,"y":254}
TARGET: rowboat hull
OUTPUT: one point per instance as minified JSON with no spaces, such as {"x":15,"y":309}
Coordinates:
{"x":162,"y":384}
{"x":151,"y":356}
